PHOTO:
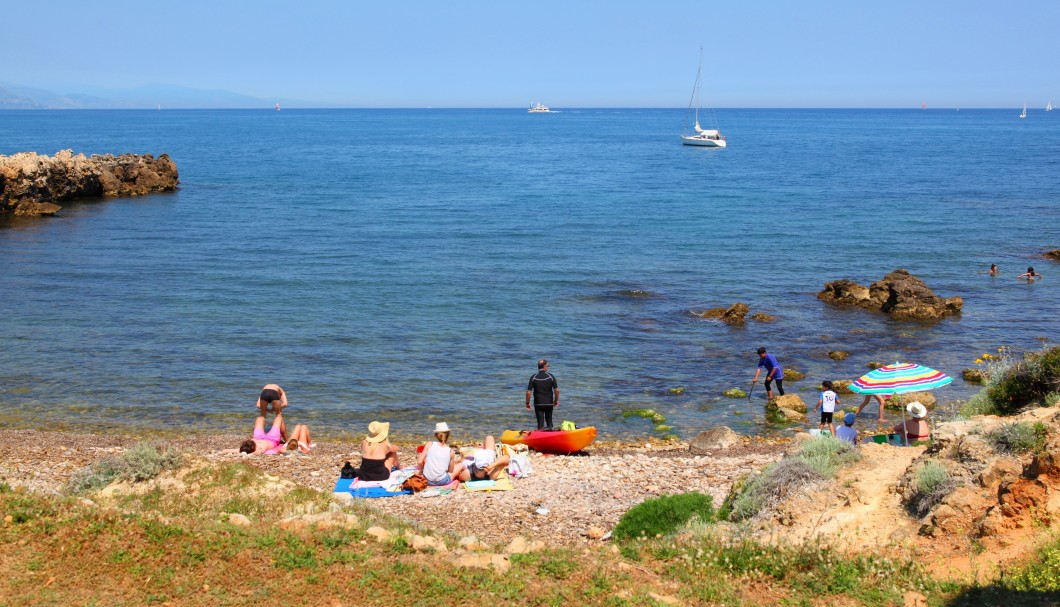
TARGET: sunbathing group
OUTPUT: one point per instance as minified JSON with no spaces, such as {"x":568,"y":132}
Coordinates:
{"x":439,"y":462}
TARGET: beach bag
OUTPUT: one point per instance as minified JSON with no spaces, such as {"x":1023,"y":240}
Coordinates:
{"x":568,"y":425}
{"x":348,"y":471}
{"x":519,"y":466}
{"x":415,"y":483}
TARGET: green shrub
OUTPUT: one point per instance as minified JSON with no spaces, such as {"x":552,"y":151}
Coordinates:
{"x":139,"y":463}
{"x":827,"y":454}
{"x":931,"y":484}
{"x":978,"y":404}
{"x":1019,"y":437}
{"x":664,"y":515}
{"x":1014,"y":385}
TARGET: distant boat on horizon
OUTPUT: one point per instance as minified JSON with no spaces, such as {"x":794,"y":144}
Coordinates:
{"x":277,"y":107}
{"x":1024,"y":113}
{"x":1049,"y":106}
{"x":539,"y":108}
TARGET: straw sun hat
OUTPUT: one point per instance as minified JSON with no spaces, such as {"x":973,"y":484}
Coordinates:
{"x":378,"y":431}
{"x":441,"y":427}
{"x":917,"y":410}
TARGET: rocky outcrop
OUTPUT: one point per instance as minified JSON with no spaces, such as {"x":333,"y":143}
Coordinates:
{"x":1054,"y":254}
{"x":31,"y":184}
{"x":899,"y":294}
{"x":733,"y":315}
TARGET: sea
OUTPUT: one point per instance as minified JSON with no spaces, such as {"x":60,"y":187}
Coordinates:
{"x":412,"y":265}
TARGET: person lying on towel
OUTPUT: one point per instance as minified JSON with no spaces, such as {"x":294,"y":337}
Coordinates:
{"x":484,"y":464}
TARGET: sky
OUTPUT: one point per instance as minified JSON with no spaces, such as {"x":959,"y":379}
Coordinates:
{"x":366,"y":53}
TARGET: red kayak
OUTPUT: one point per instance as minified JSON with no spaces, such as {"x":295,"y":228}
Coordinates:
{"x":551,"y":441}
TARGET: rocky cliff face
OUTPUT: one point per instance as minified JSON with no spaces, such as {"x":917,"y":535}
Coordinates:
{"x":899,"y":294}
{"x":31,"y":184}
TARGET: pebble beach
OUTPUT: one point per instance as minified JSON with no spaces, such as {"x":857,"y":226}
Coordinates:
{"x":584,"y":495}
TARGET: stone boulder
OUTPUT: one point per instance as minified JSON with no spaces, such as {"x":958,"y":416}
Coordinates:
{"x":735,"y":314}
{"x":838,"y":354}
{"x":899,"y":294}
{"x":790,"y":401}
{"x":763,"y":317}
{"x":1054,"y":254}
{"x":898,"y":401}
{"x":715,"y":439}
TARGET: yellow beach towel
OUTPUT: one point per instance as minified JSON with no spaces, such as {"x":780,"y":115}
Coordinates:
{"x":504,"y":484}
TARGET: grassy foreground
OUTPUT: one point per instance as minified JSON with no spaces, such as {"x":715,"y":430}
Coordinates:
{"x":171,"y":542}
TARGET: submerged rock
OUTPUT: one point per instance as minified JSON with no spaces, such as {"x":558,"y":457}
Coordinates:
{"x":973,"y":376}
{"x":763,"y":317}
{"x":793,"y":375}
{"x":32,"y":184}
{"x":899,"y":294}
{"x":838,"y":354}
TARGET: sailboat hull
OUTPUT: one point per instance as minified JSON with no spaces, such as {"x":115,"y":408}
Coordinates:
{"x":702,"y":141}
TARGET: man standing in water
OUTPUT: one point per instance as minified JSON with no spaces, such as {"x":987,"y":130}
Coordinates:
{"x":773,"y":371}
{"x":545,"y":390}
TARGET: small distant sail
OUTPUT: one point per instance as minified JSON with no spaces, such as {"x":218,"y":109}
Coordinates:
{"x":923,"y":106}
{"x":277,"y":107}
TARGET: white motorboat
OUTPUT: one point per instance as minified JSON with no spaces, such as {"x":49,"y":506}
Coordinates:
{"x":539,"y":108}
{"x":710,"y":138}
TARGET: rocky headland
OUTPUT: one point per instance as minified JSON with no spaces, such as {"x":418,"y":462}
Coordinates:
{"x":32,"y":184}
{"x":899,"y":294}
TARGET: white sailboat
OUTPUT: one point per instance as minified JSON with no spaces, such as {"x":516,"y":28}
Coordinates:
{"x":1049,"y":106}
{"x":1024,"y":114}
{"x":710,"y":138}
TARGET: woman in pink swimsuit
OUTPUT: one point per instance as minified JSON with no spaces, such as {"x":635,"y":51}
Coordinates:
{"x":276,"y":440}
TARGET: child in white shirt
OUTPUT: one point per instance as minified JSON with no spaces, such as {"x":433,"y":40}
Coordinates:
{"x":826,"y":403}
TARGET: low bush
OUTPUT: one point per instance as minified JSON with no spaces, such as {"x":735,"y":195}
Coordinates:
{"x":1040,"y":575}
{"x":139,"y":463}
{"x":1031,"y":380}
{"x":931,"y":484}
{"x":664,"y":515}
{"x":1019,"y":437}
{"x":827,"y":454}
{"x":773,"y":484}
{"x":819,"y":459}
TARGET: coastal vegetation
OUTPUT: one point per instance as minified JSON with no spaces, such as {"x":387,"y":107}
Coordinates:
{"x":1013,"y":384}
{"x":141,"y":462}
{"x":176,"y":545}
{"x":664,"y":515}
{"x":817,"y":460}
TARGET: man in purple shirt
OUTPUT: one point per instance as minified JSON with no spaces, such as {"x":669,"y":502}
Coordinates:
{"x":773,"y":371}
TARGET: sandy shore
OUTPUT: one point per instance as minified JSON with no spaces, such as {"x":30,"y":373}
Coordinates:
{"x":583,"y":494}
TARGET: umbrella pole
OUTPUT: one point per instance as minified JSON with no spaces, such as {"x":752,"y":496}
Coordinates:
{"x":905,"y":435}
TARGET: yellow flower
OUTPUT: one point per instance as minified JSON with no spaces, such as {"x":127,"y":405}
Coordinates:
{"x":978,"y":361}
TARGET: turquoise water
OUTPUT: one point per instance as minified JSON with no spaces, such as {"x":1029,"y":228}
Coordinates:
{"x":413,"y":265}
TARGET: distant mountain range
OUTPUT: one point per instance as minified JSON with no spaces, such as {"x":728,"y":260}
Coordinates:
{"x":150,"y":96}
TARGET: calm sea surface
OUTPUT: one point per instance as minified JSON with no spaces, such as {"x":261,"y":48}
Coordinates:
{"x":412,"y":265}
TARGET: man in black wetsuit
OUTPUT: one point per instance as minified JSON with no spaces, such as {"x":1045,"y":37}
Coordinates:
{"x":545,"y":390}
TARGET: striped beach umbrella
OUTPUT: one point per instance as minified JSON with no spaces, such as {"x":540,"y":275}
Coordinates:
{"x":900,"y":378}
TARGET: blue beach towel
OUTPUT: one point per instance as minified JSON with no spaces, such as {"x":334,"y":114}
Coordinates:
{"x":343,"y":486}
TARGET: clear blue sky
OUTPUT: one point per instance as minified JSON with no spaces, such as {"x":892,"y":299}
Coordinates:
{"x":946,"y":53}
